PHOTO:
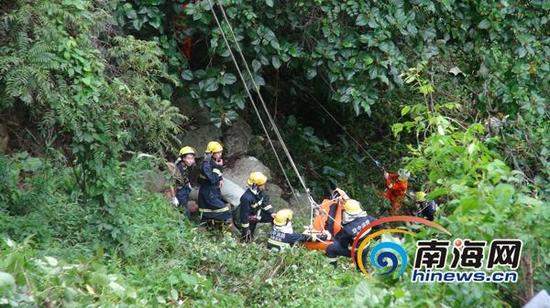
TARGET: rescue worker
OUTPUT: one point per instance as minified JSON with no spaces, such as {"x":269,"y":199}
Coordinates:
{"x":283,"y":235}
{"x":214,"y":211}
{"x":184,"y":164}
{"x":424,"y":207}
{"x":396,"y":188}
{"x":353,"y":220}
{"x":254,"y":207}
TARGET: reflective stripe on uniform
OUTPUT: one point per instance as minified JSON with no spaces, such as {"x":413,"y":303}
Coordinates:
{"x":278,"y":243}
{"x":330,"y":260}
{"x":245,"y":225}
{"x":217,"y":171}
{"x":225,"y":209}
{"x":259,"y":203}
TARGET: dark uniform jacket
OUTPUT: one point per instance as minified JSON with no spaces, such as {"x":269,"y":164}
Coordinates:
{"x":253,"y":204}
{"x":211,"y":204}
{"x":183,"y":183}
{"x":279,"y":239}
{"x":344,"y":238}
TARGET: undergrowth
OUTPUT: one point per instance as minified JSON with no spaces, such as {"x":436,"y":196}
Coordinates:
{"x":56,"y":253}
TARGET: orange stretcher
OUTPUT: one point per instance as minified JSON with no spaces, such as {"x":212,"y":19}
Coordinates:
{"x":328,"y":219}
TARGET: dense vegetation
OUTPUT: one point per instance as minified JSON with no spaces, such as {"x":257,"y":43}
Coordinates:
{"x":457,"y":91}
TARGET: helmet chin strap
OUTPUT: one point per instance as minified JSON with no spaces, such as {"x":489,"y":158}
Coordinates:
{"x":253,"y":189}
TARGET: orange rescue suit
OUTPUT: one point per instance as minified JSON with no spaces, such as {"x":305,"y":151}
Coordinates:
{"x":395,"y":191}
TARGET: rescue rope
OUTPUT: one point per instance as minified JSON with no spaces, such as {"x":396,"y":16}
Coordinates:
{"x":272,"y":122}
{"x":313,"y":204}
{"x":251,"y":98}
{"x":376,"y":162}
{"x":257,"y":88}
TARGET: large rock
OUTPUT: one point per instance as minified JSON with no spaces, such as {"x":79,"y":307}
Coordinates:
{"x":242,"y":167}
{"x":4,"y":138}
{"x":236,"y":140}
{"x":300,"y":200}
{"x":274,"y":189}
{"x":300,"y":203}
{"x":231,"y":192}
{"x":194,"y":113}
{"x":199,"y":137}
{"x":260,"y":147}
{"x":275,"y":195}
{"x":155,"y":181}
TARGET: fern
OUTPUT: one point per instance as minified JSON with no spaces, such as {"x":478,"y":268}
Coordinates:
{"x":103,"y":94}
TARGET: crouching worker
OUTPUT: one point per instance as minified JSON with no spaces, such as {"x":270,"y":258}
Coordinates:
{"x":423,"y":207}
{"x":184,"y":164}
{"x":254,"y":207}
{"x":353,"y":220}
{"x":283,"y":235}
{"x":214,"y":211}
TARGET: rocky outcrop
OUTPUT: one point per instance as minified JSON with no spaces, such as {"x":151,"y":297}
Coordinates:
{"x":231,"y":192}
{"x":300,"y":203}
{"x":200,"y":130}
{"x":155,"y":181}
{"x":197,"y":115}
{"x":275,"y":194}
{"x":237,"y":138}
{"x":242,"y":168}
{"x":199,"y":137}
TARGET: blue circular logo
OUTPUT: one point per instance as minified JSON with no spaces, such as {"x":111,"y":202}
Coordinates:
{"x":387,"y":254}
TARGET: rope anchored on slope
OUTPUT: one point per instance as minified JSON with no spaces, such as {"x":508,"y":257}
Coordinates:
{"x":257,"y":90}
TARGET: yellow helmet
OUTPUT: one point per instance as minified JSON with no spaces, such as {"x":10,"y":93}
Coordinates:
{"x":257,"y":178}
{"x":187,"y":150}
{"x":213,"y":147}
{"x":283,"y":217}
{"x":420,"y":196}
{"x":352,"y":207}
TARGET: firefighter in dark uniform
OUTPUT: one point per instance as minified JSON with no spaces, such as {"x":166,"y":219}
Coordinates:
{"x":254,"y":207}
{"x":283,"y":236}
{"x":353,"y":220}
{"x":214,"y":211}
{"x":184,"y":164}
{"x":423,"y":207}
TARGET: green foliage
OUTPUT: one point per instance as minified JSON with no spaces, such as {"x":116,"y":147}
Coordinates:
{"x":210,"y":89}
{"x":354,"y":51}
{"x":157,"y":258}
{"x":474,"y":116}
{"x":336,"y":163}
{"x":141,"y":13}
{"x":484,"y":198}
{"x":141,"y":84}
{"x":105,"y":99}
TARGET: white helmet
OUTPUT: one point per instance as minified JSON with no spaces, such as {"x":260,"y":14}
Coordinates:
{"x":403,"y":174}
